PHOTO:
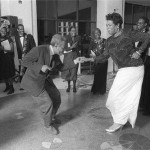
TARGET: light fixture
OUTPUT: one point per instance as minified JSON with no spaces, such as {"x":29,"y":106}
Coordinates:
{"x":20,"y":1}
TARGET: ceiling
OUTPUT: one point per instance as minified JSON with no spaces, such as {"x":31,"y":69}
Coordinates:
{"x":140,"y":2}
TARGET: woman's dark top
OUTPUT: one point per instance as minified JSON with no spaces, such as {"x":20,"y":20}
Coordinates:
{"x":121,"y":48}
{"x":97,"y":47}
{"x":100,"y":69}
{"x":69,"y":72}
{"x":7,"y":62}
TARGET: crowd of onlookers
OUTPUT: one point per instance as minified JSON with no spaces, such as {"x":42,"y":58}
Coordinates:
{"x":128,"y":49}
{"x":12,"y":49}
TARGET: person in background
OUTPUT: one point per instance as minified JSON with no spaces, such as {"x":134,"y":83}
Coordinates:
{"x":124,"y":95}
{"x":143,"y":26}
{"x":24,"y":43}
{"x":1,"y":56}
{"x":96,"y":48}
{"x":71,"y":52}
{"x":38,"y":82}
{"x":7,"y":62}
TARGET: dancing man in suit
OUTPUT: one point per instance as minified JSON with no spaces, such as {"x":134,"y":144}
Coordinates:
{"x":39,"y":83}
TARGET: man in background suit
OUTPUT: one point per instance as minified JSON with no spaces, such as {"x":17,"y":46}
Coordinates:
{"x":37,"y":81}
{"x":143,"y":26}
{"x":24,"y":43}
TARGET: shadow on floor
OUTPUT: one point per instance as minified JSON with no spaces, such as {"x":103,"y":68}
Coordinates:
{"x":77,"y":104}
{"x":11,"y":127}
{"x":10,"y":98}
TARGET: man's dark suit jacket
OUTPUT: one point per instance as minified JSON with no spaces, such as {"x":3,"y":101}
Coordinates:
{"x":30,"y":44}
{"x":34,"y":79}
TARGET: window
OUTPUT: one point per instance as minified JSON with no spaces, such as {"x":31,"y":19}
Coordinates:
{"x":133,"y":12}
{"x":55,"y":16}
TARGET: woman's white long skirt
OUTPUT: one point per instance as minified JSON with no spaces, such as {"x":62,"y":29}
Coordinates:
{"x":124,"y":95}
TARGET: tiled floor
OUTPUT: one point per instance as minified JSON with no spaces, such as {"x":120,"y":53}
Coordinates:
{"x":84,"y":119}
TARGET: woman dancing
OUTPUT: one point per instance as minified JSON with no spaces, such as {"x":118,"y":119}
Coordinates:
{"x":124,"y":95}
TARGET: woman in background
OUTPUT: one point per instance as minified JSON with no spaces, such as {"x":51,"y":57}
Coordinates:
{"x":8,"y":67}
{"x":96,"y":48}
{"x":71,"y":52}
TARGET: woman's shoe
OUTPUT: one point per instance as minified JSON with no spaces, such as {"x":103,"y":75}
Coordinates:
{"x":114,"y":128}
{"x":68,"y":89}
{"x":74,"y":89}
{"x":11,"y":90}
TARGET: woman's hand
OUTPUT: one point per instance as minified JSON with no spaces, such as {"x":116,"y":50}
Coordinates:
{"x":88,"y":59}
{"x":93,"y":55}
{"x":79,"y":60}
{"x":74,"y":45}
{"x":135,"y":55}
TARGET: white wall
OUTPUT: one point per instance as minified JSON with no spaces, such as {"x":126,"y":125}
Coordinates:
{"x":26,"y":13}
{"x":103,"y":8}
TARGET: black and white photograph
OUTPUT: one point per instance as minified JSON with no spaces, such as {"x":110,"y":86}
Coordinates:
{"x":74,"y":74}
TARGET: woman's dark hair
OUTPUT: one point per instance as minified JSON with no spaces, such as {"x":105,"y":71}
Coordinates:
{"x":71,"y":28}
{"x":20,"y":25}
{"x":97,"y":29}
{"x":116,"y":18}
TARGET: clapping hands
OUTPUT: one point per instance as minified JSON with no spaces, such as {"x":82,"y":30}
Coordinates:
{"x":79,"y":60}
{"x":74,"y":45}
{"x":92,"y":54}
{"x":83,"y":59}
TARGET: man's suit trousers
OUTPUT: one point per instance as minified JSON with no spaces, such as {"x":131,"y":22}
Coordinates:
{"x":49,"y":101}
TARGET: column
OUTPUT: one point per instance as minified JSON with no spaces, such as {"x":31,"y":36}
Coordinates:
{"x":34,"y":20}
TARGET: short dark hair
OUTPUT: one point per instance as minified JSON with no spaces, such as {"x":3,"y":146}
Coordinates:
{"x":116,"y":18}
{"x":97,"y":29}
{"x":146,"y":20}
{"x":20,"y":25}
